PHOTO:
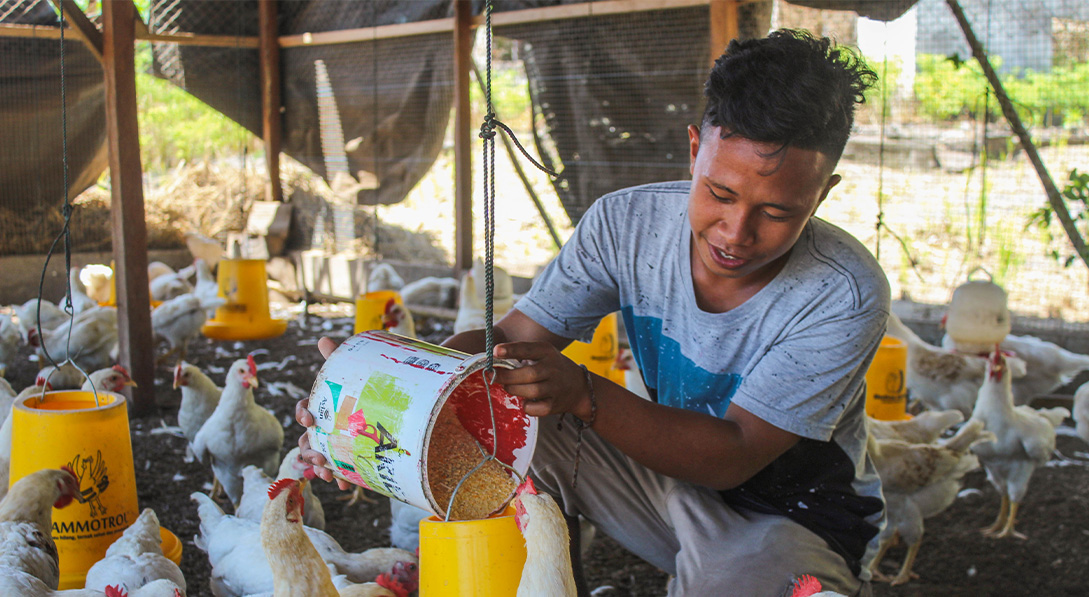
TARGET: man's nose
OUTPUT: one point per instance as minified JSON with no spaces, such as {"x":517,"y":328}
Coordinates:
{"x":739,"y":228}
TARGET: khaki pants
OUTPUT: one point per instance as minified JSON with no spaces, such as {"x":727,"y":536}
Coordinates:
{"x":686,"y":530}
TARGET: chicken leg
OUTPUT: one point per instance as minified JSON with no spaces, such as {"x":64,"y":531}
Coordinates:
{"x":905,"y":573}
{"x":1007,"y":529}
{"x":1000,"y":522}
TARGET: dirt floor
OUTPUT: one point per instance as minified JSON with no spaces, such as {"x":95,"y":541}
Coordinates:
{"x":955,"y":558}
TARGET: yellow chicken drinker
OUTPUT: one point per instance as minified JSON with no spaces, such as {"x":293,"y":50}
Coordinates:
{"x":483,"y":558}
{"x":886,"y":387}
{"x":370,"y":309}
{"x":599,"y":355}
{"x":68,"y":428}
{"x":244,"y":283}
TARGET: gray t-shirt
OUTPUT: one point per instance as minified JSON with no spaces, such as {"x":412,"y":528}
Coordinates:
{"x":795,"y":354}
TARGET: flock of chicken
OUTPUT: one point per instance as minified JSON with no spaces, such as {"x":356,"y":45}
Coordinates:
{"x":982,"y":378}
{"x":273,"y":542}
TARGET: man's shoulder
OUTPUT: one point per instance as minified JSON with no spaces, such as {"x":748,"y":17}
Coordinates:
{"x":835,"y":254}
{"x":666,"y":195}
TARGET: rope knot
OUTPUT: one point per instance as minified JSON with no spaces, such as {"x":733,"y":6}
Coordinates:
{"x":487,"y":128}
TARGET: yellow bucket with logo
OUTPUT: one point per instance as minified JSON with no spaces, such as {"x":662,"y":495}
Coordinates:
{"x":68,"y":428}
{"x":244,"y":283}
{"x":886,"y":387}
{"x":370,"y":309}
{"x":483,"y":558}
{"x":599,"y":355}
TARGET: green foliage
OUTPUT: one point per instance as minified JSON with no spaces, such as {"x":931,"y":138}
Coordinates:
{"x":510,"y":94}
{"x":1076,"y":197}
{"x":176,"y":127}
{"x":949,"y":87}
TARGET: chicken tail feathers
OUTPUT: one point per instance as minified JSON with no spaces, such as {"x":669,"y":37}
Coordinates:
{"x":210,"y":516}
{"x":968,"y":435}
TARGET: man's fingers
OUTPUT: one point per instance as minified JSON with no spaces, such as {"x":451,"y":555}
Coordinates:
{"x":530,"y":391}
{"x":531,"y":351}
{"x":302,"y":415}
{"x":326,"y":346}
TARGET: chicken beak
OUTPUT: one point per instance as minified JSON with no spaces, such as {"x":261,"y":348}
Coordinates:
{"x":251,"y":380}
{"x":131,"y":383}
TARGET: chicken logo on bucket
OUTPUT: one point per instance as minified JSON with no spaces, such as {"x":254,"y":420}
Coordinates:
{"x":94,"y":480}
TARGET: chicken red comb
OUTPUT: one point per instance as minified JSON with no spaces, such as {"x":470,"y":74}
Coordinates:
{"x":69,"y":470}
{"x":115,"y":591}
{"x":253,"y":365}
{"x":121,"y":369}
{"x":389,"y":305}
{"x":805,"y":586}
{"x":386,"y":581}
{"x":280,"y":485}
{"x":527,"y":487}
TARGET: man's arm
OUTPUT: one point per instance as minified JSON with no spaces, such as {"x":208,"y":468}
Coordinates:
{"x":719,"y":453}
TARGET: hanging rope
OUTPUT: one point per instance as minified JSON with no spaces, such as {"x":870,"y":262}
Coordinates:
{"x":65,"y":234}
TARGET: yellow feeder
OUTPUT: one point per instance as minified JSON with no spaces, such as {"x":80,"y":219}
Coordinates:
{"x":370,"y":308}
{"x":886,"y":388}
{"x":483,"y":558}
{"x":244,"y":283}
{"x":67,"y":428}
{"x":599,"y":355}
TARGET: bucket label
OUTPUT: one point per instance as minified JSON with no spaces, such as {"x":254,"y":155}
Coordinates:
{"x":94,"y":481}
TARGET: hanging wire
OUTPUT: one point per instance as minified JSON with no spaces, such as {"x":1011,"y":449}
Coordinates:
{"x":66,"y":234}
{"x":374,"y":131}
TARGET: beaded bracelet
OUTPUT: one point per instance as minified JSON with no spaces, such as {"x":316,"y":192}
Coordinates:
{"x":583,"y":425}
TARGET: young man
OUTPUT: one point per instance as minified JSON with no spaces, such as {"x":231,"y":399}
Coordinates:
{"x":753,"y":324}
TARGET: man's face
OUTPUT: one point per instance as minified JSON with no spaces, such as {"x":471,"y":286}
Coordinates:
{"x":746,"y":211}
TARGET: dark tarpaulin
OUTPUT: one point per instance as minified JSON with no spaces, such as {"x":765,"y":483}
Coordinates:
{"x":31,"y":165}
{"x":878,"y":10}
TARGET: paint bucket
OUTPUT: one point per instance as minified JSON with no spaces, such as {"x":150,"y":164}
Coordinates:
{"x":599,"y":355}
{"x":245,"y":316}
{"x":477,"y":557}
{"x":886,"y":390}
{"x":67,"y":428}
{"x":378,"y":401}
{"x":370,"y":309}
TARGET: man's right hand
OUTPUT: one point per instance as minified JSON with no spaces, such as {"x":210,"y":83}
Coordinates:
{"x":302,"y":415}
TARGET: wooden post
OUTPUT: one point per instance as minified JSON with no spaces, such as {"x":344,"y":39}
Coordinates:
{"x":127,"y":205}
{"x":81,"y":25}
{"x":269,"y":52}
{"x":463,"y":140}
{"x":724,"y":26}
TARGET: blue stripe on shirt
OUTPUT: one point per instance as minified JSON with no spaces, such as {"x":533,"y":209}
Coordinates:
{"x":674,"y":378}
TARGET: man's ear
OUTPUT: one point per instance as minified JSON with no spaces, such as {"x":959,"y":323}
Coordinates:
{"x":832,"y":181}
{"x":693,"y":146}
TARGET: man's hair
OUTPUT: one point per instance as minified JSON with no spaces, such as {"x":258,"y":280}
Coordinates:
{"x":789,"y":88}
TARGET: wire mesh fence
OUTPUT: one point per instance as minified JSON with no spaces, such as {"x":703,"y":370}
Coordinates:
{"x":934,"y":180}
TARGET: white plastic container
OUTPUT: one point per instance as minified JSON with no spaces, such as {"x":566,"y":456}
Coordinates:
{"x":375,"y":403}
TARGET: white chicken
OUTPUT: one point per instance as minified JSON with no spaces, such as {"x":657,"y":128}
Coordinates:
{"x":207,"y":287}
{"x":1081,"y":411}
{"x":255,"y":487}
{"x":135,"y":559}
{"x":178,"y":320}
{"x":472,"y":297}
{"x":398,"y":320}
{"x":9,"y":343}
{"x":239,"y":432}
{"x":80,"y":300}
{"x":919,"y":480}
{"x":924,"y":428}
{"x":199,"y":398}
{"x":239,"y":566}
{"x":27,"y":314}
{"x":7,"y":402}
{"x":89,"y":339}
{"x":1048,"y":365}
{"x":26,"y":520}
{"x":208,"y":250}
{"x":297,"y":567}
{"x":158,"y":268}
{"x":168,"y":286}
{"x":382,"y":276}
{"x":547,"y":571}
{"x":942,"y":379}
{"x":1024,"y":440}
{"x":65,"y":377}
{"x":431,"y":291}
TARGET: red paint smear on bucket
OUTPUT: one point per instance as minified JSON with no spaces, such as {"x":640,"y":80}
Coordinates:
{"x":469,"y":401}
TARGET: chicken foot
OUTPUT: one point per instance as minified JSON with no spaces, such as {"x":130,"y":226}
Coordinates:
{"x":877,"y":575}
{"x":905,"y":573}
{"x":355,"y":497}
{"x":1000,"y":522}
{"x":1007,"y":529}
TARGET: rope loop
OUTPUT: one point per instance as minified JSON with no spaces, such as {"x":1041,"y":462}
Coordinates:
{"x":487,"y":128}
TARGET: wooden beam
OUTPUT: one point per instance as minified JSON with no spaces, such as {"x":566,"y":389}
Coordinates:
{"x":271,"y":119}
{"x":127,"y":205}
{"x":193,"y":39}
{"x":583,"y":10}
{"x":463,"y":139}
{"x":724,"y":26}
{"x":82,"y":26}
{"x":347,"y":36}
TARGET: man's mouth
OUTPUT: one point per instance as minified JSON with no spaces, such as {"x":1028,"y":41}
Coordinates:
{"x":724,"y":259}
